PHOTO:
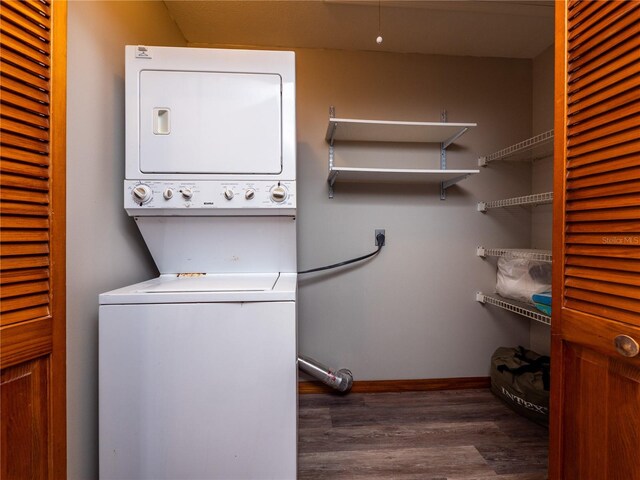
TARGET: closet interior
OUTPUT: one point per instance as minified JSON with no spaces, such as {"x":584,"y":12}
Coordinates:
{"x":450,"y":83}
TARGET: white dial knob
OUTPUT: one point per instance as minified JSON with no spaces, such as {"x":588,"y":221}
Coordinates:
{"x":141,"y":194}
{"x":167,"y":194}
{"x":228,"y":194}
{"x":279,"y":194}
{"x":187,"y":193}
{"x":249,"y":194}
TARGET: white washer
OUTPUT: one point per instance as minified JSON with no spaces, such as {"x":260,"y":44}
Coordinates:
{"x":198,"y":367}
{"x":201,"y":375}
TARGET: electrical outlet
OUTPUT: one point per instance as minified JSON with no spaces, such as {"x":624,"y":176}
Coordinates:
{"x":376,"y":233}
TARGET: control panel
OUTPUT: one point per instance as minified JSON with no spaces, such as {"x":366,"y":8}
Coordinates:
{"x":209,"y":195}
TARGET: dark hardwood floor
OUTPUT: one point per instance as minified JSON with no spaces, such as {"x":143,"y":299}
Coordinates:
{"x":441,"y":435}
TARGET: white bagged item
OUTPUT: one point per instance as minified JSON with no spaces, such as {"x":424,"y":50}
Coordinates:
{"x":519,"y":278}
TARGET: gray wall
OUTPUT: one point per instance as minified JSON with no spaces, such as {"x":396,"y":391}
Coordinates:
{"x":411,"y":312}
{"x":104,"y":249}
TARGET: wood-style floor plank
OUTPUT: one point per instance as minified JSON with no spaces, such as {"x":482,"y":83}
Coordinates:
{"x":397,"y":436}
{"x":442,"y":435}
{"x":383,"y":463}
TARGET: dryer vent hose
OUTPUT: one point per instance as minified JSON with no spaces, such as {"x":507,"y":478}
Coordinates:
{"x":342,"y":380}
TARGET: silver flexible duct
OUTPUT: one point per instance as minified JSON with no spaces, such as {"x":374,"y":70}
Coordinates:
{"x":342,"y":380}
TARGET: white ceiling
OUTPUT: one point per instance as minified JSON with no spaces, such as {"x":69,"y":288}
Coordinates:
{"x":493,"y":28}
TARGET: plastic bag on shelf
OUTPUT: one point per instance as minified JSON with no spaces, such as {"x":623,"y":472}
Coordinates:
{"x":520,"y":278}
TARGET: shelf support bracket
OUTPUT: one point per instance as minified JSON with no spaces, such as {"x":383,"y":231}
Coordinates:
{"x":331,"y":180}
{"x":453,"y":181}
{"x":449,"y":141}
{"x":332,"y":175}
{"x":443,"y":159}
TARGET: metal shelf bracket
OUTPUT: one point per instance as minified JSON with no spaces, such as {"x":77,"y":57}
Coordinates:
{"x":332,"y":175}
{"x":443,"y":156}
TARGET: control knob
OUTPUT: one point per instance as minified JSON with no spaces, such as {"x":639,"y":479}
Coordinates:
{"x":167,"y":194}
{"x":228,"y":193}
{"x":279,"y":194}
{"x":141,"y":194}
{"x":249,"y":194}
{"x":187,"y":193}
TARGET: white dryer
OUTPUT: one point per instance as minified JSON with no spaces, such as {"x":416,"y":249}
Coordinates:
{"x":197,"y":368}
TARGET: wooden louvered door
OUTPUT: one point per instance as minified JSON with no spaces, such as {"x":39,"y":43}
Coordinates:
{"x":595,"y":404}
{"x":32,"y":239}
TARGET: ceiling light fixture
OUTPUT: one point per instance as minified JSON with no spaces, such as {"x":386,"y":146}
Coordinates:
{"x":379,"y":37}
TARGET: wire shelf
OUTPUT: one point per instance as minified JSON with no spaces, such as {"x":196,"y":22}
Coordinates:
{"x":529,"y":254}
{"x":527,"y":200}
{"x":351,"y":129}
{"x":521,"y":147}
{"x":515,"y":307}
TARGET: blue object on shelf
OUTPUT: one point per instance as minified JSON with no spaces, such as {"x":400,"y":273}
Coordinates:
{"x":543,"y":298}
{"x":546,"y":309}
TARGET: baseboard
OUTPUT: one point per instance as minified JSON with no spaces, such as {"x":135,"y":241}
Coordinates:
{"x":385,"y":386}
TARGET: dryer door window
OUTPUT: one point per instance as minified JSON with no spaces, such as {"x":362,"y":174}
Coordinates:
{"x":210,"y":122}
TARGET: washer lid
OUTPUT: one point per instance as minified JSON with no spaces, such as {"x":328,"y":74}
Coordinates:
{"x":171,"y":288}
{"x":210,"y":283}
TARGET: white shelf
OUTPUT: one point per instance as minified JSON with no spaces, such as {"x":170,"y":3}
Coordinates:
{"x":397,"y":175}
{"x":529,"y":254}
{"x":529,"y":149}
{"x":351,"y":129}
{"x":520,"y":308}
{"x":527,"y":200}
{"x":359,"y":130}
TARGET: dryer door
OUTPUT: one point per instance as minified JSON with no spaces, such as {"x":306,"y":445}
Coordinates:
{"x":210,"y":122}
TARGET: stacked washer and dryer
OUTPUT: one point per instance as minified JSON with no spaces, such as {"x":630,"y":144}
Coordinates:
{"x":197,"y":367}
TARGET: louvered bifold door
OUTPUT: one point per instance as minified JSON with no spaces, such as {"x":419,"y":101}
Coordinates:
{"x":595,"y":384}
{"x":32,"y":136}
{"x":602,"y":202}
{"x":25,"y":162}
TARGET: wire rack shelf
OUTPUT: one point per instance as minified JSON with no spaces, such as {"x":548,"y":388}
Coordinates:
{"x":526,"y":200}
{"x":516,"y":307}
{"x":529,"y":254}
{"x":514,"y":152}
